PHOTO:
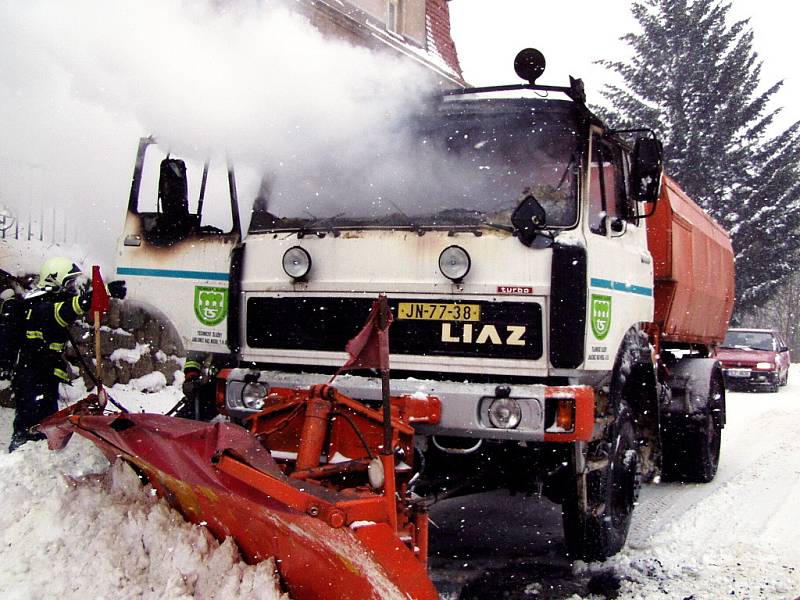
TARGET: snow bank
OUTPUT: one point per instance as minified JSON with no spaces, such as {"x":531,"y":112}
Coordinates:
{"x":152,"y":382}
{"x":129,"y":355}
{"x":71,"y":527}
{"x":158,"y":397}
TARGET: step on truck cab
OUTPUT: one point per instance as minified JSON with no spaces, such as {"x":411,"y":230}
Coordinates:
{"x":557,"y":293}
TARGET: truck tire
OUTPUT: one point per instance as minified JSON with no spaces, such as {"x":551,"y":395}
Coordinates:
{"x":611,"y":494}
{"x":691,"y":452}
{"x":691,"y":446}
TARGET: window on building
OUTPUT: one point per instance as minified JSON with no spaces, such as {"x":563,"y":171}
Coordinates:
{"x":393,"y":16}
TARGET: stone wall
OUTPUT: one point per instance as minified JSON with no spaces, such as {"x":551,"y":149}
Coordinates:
{"x":133,"y":343}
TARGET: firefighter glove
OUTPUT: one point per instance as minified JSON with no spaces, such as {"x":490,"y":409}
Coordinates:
{"x":117,"y":289}
{"x":191,"y":387}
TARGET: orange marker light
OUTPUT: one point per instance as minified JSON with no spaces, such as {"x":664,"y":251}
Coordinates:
{"x":565,"y":414}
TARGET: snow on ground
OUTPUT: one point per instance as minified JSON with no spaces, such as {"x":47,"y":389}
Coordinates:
{"x":149,"y":393}
{"x":738,"y":536}
{"x":71,"y":527}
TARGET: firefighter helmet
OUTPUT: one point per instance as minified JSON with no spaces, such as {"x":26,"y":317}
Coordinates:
{"x":57,"y":272}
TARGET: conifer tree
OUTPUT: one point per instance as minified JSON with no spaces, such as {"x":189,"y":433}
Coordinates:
{"x":695,"y":78}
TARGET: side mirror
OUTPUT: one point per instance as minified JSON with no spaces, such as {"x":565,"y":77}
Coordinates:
{"x":784,"y":349}
{"x":528,"y":218}
{"x":647,"y":169}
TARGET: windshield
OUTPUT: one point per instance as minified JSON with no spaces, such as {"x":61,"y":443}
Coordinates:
{"x":453,"y":170}
{"x":752,"y":340}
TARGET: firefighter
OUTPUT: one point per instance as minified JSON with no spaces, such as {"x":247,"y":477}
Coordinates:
{"x":10,"y":308}
{"x":47,"y":312}
{"x":199,"y":400}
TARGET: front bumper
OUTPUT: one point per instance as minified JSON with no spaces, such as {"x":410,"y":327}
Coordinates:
{"x":547,"y":414}
{"x":749,"y":377}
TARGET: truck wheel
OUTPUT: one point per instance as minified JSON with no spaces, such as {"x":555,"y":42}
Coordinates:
{"x":611,"y":493}
{"x":691,"y":453}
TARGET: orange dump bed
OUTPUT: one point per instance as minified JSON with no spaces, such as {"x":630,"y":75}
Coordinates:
{"x":693,"y":269}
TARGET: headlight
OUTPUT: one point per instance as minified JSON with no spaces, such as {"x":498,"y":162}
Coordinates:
{"x":296,"y":262}
{"x":253,"y":395}
{"x":454,"y":263}
{"x":766,"y":366}
{"x":505,"y":413}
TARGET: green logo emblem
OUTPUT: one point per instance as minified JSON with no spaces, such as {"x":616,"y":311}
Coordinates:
{"x":601,"y":316}
{"x":210,"y":304}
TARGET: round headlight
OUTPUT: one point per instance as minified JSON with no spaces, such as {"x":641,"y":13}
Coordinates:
{"x":296,"y":262}
{"x":253,"y":395}
{"x":505,"y":413}
{"x":454,"y":263}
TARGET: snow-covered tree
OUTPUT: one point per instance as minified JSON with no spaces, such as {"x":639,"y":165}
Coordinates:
{"x":780,"y":312}
{"x":695,"y":78}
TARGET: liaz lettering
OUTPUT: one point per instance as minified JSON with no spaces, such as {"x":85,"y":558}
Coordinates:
{"x":468,"y":333}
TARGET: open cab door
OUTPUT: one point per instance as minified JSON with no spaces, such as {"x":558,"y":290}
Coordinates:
{"x":176,"y":250}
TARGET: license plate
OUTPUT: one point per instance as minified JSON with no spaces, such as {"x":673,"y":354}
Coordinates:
{"x":430,"y":311}
{"x":738,"y":372}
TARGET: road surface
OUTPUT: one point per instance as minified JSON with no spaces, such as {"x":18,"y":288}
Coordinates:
{"x":736,"y":537}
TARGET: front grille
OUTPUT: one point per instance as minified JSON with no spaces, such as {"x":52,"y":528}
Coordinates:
{"x":311,"y":323}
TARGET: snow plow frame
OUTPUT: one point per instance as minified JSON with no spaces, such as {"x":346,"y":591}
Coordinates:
{"x":336,"y":527}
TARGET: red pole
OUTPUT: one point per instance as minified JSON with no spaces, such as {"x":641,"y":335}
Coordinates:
{"x":383,"y":323}
{"x":387,"y":455}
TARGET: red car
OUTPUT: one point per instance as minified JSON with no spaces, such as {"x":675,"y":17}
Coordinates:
{"x":754,"y":358}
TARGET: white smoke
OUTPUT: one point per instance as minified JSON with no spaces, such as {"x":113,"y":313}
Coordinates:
{"x":81,"y":81}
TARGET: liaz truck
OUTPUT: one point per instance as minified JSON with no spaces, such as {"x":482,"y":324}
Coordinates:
{"x":558,"y":293}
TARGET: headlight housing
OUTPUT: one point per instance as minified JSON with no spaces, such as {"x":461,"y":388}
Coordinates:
{"x":766,"y":366}
{"x":253,"y":395}
{"x":504,"y":413}
{"x":296,"y":262}
{"x":454,"y":263}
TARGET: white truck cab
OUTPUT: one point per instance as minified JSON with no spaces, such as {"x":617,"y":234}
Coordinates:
{"x":507,"y":230}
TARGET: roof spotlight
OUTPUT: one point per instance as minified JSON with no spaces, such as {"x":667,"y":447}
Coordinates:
{"x":529,"y":64}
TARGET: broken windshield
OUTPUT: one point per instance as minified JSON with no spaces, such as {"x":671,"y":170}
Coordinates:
{"x":461,"y":169}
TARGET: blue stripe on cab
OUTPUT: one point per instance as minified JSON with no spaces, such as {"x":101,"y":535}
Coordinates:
{"x":618,"y":286}
{"x":172,"y":273}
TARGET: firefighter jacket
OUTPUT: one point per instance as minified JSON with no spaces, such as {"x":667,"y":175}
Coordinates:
{"x":46,"y":317}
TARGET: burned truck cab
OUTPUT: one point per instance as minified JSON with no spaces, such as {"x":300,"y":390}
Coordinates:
{"x":177,"y":245}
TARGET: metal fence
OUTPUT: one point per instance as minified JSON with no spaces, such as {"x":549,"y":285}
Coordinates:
{"x":47,"y":224}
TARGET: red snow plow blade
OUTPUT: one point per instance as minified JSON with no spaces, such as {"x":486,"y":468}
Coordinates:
{"x":336,"y":528}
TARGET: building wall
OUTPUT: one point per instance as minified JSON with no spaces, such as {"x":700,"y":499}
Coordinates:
{"x":424,"y":33}
{"x":412,"y":16}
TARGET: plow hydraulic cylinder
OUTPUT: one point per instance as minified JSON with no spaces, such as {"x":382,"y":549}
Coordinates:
{"x":315,"y":428}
